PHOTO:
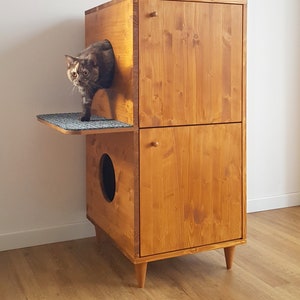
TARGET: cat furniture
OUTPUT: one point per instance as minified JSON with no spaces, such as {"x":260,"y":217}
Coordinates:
{"x":165,"y":164}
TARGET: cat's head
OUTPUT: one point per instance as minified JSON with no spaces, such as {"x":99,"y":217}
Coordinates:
{"x":82,"y":72}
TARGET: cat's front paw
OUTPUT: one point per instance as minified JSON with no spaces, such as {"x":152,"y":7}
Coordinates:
{"x":85,"y":118}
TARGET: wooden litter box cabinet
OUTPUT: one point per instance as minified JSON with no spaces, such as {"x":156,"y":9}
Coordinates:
{"x":174,"y":182}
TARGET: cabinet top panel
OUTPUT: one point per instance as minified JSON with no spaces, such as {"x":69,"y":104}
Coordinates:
{"x":206,"y":1}
{"x":112,"y":2}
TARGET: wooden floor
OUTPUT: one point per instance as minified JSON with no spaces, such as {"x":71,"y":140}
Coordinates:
{"x":267,"y":267}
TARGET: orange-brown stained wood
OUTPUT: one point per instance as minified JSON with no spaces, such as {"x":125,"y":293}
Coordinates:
{"x":190,"y":187}
{"x":190,"y":63}
{"x":114,"y":21}
{"x":116,"y":218}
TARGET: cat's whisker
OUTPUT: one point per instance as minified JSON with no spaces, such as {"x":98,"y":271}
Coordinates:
{"x":74,"y":89}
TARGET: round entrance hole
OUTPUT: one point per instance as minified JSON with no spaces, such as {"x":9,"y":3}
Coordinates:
{"x":107,"y":177}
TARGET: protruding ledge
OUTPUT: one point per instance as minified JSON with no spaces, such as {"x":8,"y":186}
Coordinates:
{"x":69,"y":123}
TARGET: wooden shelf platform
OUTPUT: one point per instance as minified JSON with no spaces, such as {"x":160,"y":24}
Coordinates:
{"x":69,"y":123}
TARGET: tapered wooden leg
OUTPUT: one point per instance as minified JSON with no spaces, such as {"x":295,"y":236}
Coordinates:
{"x":229,"y":253}
{"x":140,"y":272}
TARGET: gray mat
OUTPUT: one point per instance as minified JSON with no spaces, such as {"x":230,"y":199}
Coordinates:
{"x":71,"y":121}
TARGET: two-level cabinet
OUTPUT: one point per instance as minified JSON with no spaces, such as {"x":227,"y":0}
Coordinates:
{"x":174,"y":182}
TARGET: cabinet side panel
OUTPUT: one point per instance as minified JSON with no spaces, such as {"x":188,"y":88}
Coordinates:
{"x":115,"y":23}
{"x":244,"y":211}
{"x":116,"y":218}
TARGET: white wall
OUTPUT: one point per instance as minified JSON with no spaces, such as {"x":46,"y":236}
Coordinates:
{"x":42,"y":172}
{"x":273,"y":104}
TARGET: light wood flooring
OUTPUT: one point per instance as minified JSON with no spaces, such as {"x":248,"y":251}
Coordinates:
{"x":267,"y":267}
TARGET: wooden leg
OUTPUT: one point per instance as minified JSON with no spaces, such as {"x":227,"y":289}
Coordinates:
{"x":229,"y":252}
{"x":140,"y":272}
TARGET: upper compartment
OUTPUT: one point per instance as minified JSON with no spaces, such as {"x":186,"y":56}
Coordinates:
{"x":177,"y":62}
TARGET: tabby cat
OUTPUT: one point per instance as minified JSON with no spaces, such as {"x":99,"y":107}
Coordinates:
{"x":91,"y":70}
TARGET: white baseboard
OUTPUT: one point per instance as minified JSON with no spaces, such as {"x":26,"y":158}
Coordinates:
{"x":49,"y":235}
{"x":85,"y":229}
{"x":274,"y":202}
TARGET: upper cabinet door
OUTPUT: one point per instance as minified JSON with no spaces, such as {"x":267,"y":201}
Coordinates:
{"x":190,"y":63}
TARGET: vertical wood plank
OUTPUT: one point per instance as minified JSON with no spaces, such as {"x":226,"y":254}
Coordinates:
{"x":190,"y":63}
{"x":114,"y":21}
{"x":190,"y":186}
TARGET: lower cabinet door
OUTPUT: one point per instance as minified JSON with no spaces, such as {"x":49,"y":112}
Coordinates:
{"x":190,"y":186}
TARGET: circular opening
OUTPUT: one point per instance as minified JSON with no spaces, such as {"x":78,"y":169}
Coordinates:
{"x":107,"y":177}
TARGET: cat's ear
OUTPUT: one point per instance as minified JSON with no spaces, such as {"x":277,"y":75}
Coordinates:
{"x":70,"y":60}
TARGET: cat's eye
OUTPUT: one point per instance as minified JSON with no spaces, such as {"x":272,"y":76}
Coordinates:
{"x":74,"y":74}
{"x":85,"y":72}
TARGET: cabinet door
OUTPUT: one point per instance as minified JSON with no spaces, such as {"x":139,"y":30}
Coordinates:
{"x":190,"y":186}
{"x":190,"y":63}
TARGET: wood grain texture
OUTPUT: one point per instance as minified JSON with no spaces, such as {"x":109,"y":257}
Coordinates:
{"x":213,"y":1}
{"x":191,"y":64}
{"x":114,"y":21}
{"x":244,"y":117}
{"x":267,"y":267}
{"x":190,"y":187}
{"x":116,"y":218}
